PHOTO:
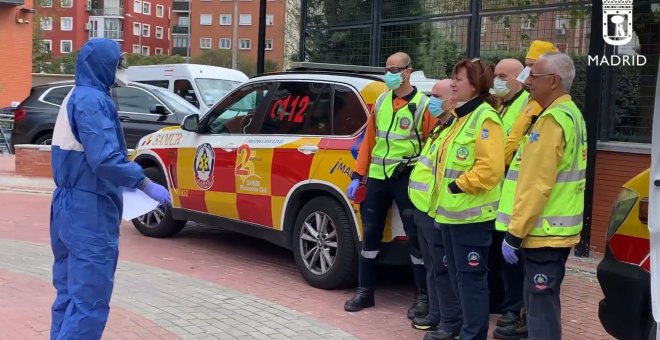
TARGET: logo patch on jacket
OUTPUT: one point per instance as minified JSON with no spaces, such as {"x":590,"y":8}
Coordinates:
{"x":484,"y":134}
{"x":473,"y":259}
{"x":534,"y":136}
{"x":462,"y":153}
{"x":404,"y":123}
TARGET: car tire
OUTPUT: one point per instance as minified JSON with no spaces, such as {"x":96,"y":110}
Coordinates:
{"x":158,"y":223}
{"x":327,"y":240}
{"x":45,"y":139}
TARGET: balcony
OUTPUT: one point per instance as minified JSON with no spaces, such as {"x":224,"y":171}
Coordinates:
{"x":106,"y":12}
{"x":114,"y":34}
{"x":179,"y":29}
{"x":179,"y":6}
{"x":182,"y":51}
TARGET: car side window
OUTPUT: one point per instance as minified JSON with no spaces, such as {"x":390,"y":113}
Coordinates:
{"x":349,"y":115}
{"x":239,"y":111}
{"x":132,"y":99}
{"x":56,"y":95}
{"x":299,"y":108}
{"x":160,"y":83}
{"x":184,"y":89}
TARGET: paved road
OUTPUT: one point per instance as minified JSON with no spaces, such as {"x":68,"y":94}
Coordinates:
{"x":210,"y":284}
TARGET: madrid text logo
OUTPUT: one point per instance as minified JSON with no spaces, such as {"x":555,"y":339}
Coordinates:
{"x":617,"y":31}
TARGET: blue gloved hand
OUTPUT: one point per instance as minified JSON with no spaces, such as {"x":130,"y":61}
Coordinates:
{"x":156,"y":191}
{"x":509,"y":253}
{"x":352,"y":188}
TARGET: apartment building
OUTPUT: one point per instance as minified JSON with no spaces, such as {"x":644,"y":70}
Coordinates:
{"x":203,"y":25}
{"x":16,"y":17}
{"x":139,"y":26}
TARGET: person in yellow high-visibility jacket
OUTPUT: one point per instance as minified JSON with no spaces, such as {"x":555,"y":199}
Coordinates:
{"x":542,"y":200}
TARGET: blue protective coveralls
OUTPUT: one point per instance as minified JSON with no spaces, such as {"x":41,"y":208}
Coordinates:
{"x":90,"y":165}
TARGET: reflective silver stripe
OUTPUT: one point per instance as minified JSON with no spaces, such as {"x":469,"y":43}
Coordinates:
{"x":418,"y":186}
{"x":426,"y":161}
{"x":389,"y":161}
{"x":419,"y":111}
{"x":477,"y":115}
{"x":394,"y":136}
{"x":555,"y":221}
{"x":562,"y":177}
{"x":369,"y":254}
{"x":416,"y":261}
{"x":453,"y":174}
{"x":467,"y":213}
{"x":379,"y":101}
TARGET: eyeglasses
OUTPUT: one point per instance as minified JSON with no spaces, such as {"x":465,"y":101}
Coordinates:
{"x":397,"y":69}
{"x":534,"y":76}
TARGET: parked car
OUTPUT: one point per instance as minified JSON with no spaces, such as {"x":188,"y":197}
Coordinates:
{"x":272,"y":160}
{"x":624,"y":272}
{"x":142,"y":109}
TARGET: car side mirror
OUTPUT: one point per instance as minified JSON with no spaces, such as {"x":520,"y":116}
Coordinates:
{"x":190,"y":123}
{"x":158,"y":109}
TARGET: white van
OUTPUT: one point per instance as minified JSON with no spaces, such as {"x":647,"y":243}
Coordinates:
{"x":201,"y":85}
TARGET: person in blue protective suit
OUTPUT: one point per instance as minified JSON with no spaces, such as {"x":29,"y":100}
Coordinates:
{"x":90,"y":170}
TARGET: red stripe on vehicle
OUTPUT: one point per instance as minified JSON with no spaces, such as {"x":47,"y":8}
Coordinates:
{"x":255,"y":209}
{"x":223,"y":172}
{"x":629,"y":249}
{"x":194,"y":200}
{"x":289,"y":167}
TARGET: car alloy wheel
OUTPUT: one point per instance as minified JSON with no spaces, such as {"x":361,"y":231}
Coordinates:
{"x":152,"y":219}
{"x":318,"y":243}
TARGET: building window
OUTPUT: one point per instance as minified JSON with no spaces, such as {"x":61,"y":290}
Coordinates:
{"x":66,"y":24}
{"x":270,"y":20}
{"x":180,"y":42}
{"x":66,"y":46}
{"x":66,"y":3}
{"x":146,"y":8}
{"x":146,"y":30}
{"x":244,"y":44}
{"x":245,"y":20}
{"x":160,"y":11}
{"x":268,"y":44}
{"x":225,"y":19}
{"x":145,"y":50}
{"x":48,"y":45}
{"x":205,"y":43}
{"x":159,"y":32}
{"x":184,"y":21}
{"x":137,"y":29}
{"x":47,"y":23}
{"x":137,"y":6}
{"x":206,"y":19}
{"x":225,"y":43}
{"x":46,"y":3}
{"x":136,"y":49}
{"x":158,"y":51}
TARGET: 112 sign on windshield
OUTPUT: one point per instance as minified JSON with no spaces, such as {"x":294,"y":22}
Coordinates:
{"x":295,"y":107}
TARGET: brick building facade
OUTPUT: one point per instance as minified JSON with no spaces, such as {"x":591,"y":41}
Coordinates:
{"x":16,"y":20}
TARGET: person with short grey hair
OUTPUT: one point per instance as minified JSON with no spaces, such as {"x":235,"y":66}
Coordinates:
{"x":542,"y":199}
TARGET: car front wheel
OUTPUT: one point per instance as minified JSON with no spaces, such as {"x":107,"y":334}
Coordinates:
{"x":159,"y":222}
{"x":323,"y":245}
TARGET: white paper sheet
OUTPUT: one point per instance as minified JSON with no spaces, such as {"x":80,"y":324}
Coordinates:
{"x":137,"y":203}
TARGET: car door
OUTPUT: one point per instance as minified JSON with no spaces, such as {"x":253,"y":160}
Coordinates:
{"x":206,"y":168}
{"x":140,"y":113}
{"x":283,"y":152}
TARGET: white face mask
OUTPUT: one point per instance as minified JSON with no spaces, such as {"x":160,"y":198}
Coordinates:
{"x":121,"y":78}
{"x":524,"y":74}
{"x":499,"y":88}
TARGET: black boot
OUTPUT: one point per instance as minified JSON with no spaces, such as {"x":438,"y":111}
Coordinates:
{"x":517,"y":331}
{"x":420,"y":307}
{"x":508,"y":319}
{"x":363,"y":298}
{"x":440,"y":334}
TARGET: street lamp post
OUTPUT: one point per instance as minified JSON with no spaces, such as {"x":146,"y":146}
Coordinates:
{"x":140,"y":33}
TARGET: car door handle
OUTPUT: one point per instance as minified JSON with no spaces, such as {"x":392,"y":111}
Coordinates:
{"x":308,"y":149}
{"x":656,"y":182}
{"x":229,"y":147}
{"x":125,"y":119}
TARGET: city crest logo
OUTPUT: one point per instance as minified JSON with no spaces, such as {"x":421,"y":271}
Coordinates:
{"x":617,"y":31}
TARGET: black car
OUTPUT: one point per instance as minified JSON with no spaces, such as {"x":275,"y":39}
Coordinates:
{"x":143,"y":109}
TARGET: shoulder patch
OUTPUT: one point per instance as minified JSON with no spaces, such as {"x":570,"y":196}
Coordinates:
{"x":534,"y":136}
{"x":484,"y":134}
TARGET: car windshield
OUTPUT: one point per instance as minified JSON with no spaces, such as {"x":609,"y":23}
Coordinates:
{"x":173,"y":101}
{"x":212,"y":90}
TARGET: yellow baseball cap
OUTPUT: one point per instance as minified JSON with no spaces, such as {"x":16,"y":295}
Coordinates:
{"x":538,"y":48}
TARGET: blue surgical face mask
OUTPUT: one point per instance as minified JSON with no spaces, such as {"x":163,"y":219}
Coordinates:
{"x":500,"y":88}
{"x":435,"y":106}
{"x":393,"y":80}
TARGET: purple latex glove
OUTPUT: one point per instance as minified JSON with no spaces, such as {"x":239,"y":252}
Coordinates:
{"x":156,"y":191}
{"x":509,"y":253}
{"x":352,"y":188}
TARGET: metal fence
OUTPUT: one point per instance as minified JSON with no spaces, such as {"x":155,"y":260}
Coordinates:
{"x":437,"y":33}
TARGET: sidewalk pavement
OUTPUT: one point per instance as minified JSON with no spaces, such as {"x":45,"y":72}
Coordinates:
{"x":207,"y":283}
